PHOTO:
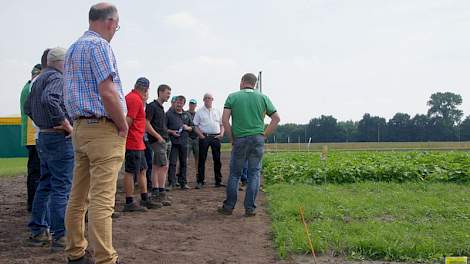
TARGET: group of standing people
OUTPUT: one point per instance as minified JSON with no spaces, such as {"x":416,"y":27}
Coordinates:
{"x":88,"y":129}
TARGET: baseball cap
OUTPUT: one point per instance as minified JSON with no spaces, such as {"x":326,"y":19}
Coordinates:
{"x":36,"y":69}
{"x":143,"y":82}
{"x":56,"y":54}
{"x":193,"y":101}
{"x":173,"y":99}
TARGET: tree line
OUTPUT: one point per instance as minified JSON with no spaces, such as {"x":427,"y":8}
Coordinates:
{"x":443,"y":122}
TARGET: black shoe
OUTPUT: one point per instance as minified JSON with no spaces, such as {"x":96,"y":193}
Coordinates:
{"x":199,"y":185}
{"x":134,"y":207}
{"x":250,"y":213}
{"x":115,"y":215}
{"x":224,"y":211}
{"x":150,"y":204}
{"x":185,"y":187}
{"x":86,"y":259}
{"x":219,"y":184}
{"x":40,"y":240}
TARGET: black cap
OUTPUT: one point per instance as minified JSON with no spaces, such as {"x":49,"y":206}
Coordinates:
{"x":36,"y":69}
{"x":143,"y":82}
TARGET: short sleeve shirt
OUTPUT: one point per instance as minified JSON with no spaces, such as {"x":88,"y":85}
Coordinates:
{"x":88,"y":62}
{"x":135,"y":111}
{"x":248,"y":109}
{"x":155,"y":114}
{"x":208,"y":120}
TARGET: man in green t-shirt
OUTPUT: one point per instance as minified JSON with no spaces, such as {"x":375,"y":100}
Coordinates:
{"x":247,"y":108}
{"x":28,"y":139}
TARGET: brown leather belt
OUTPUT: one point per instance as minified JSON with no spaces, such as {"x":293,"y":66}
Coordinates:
{"x":94,"y":118}
{"x":54,"y":130}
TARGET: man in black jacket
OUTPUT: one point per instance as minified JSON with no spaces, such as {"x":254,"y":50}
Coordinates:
{"x":179,"y":125}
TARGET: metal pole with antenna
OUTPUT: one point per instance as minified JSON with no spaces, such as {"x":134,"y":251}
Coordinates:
{"x":260,"y":82}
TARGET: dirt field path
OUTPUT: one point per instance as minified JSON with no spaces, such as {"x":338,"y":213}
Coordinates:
{"x":190,"y":231}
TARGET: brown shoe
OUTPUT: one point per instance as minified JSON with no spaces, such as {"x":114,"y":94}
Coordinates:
{"x":150,"y":204}
{"x":134,"y":207}
{"x":86,"y":259}
{"x":165,"y":200}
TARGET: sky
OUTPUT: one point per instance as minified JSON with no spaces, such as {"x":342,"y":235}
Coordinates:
{"x":332,"y":57}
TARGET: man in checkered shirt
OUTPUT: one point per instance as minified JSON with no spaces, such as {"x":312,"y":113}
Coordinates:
{"x":95,"y":101}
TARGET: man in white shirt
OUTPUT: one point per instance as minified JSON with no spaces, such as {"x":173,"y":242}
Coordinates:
{"x":210,"y":130}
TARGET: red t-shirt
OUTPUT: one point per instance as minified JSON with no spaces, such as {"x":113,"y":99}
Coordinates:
{"x":135,"y":110}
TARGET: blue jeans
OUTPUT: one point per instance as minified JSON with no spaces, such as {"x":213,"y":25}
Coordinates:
{"x":56,"y":155}
{"x":244,"y":177}
{"x":249,"y":148}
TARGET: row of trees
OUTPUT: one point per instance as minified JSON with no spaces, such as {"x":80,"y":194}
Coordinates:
{"x":443,"y":122}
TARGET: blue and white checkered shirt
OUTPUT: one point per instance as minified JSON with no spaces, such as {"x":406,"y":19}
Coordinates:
{"x":88,"y":62}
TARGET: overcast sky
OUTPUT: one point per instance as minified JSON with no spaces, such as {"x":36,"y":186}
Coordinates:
{"x":340,"y":58}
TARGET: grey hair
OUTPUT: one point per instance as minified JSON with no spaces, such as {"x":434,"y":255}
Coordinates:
{"x":102,"y":11}
{"x":207,"y":94}
{"x":249,"y":78}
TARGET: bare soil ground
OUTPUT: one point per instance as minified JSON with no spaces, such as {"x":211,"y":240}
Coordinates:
{"x":189,"y":231}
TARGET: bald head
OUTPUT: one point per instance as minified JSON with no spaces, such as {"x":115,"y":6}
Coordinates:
{"x":104,"y":20}
{"x":208,"y":99}
{"x":102,"y":11}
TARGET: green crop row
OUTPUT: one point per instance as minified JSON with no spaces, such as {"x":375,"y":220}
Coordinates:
{"x":352,"y":167}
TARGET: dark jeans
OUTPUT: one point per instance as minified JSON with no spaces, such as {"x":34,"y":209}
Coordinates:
{"x":249,"y":148}
{"x":204,"y":144}
{"x":178,"y":152}
{"x":148,"y":158}
{"x":244,"y":177}
{"x":56,"y":155}
{"x":34,"y":174}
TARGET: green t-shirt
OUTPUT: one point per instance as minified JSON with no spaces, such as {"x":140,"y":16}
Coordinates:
{"x":24,"y":118}
{"x":249,"y":107}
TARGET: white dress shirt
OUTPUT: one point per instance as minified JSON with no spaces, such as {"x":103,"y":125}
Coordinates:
{"x":208,"y":120}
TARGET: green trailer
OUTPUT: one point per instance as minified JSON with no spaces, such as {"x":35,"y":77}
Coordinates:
{"x":10,"y":138}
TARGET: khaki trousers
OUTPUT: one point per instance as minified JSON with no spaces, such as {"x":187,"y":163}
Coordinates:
{"x":99,"y":153}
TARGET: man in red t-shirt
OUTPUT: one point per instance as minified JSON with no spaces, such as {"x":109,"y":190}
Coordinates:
{"x":136,"y":164}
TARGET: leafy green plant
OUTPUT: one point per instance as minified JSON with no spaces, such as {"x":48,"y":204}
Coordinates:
{"x":352,"y":167}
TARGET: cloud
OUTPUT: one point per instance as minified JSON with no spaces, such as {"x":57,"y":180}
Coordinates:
{"x":182,"y":20}
{"x":132,"y":64}
{"x":204,"y":63}
{"x":185,"y":21}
